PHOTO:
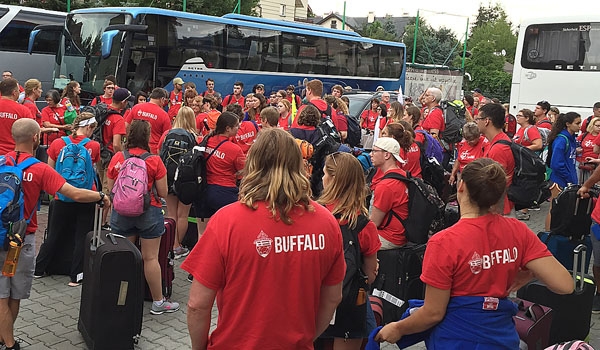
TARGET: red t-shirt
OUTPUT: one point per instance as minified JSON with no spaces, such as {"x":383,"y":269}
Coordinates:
{"x":317,"y":102}
{"x":342,"y":122}
{"x":391,"y":194}
{"x":284,"y":122}
{"x":503,"y":155}
{"x":587,"y":146}
{"x":480,"y":256}
{"x":231,"y":99}
{"x":468,"y":153}
{"x":246,"y":135}
{"x":532,"y":134}
{"x":223,"y":165}
{"x":474,"y":111}
{"x":30,"y":104}
{"x":64,"y":100}
{"x":368,"y":119}
{"x":544,"y":123}
{"x":9,"y":112}
{"x":57,"y":145}
{"x":106,"y":100}
{"x":368,"y":238}
{"x":114,"y":125}
{"x":247,"y":256}
{"x":434,"y":120}
{"x":56,"y":116}
{"x":37,"y":178}
{"x":154,"y":166}
{"x":413,"y":160}
{"x":156,"y":116}
{"x":176,"y":101}
{"x":419,"y":136}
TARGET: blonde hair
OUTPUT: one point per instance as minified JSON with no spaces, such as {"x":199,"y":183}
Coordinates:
{"x":342,"y":106}
{"x":31,"y":85}
{"x":590,"y":126}
{"x":347,"y":189}
{"x":287,"y":104}
{"x":81,"y":117}
{"x":186,"y":119}
{"x":274,"y":173}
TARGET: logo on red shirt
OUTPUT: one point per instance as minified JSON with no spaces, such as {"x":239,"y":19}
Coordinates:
{"x":476,"y":263}
{"x":263,"y":244}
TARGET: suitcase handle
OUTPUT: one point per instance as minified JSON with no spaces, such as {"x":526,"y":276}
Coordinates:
{"x":96,"y":239}
{"x":579,"y":255}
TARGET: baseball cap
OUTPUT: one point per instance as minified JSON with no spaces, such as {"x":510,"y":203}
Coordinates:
{"x":178,"y":80}
{"x":477,"y":90}
{"x":379,"y":88}
{"x":262,"y":86}
{"x":390,"y":145}
{"x":122,"y":94}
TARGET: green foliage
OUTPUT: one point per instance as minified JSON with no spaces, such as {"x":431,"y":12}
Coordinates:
{"x":490,"y":14}
{"x":433,"y":46}
{"x":378,"y":30}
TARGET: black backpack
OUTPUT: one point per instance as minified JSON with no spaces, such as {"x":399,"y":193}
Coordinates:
{"x":189,"y":182}
{"x":571,"y":214}
{"x":454,"y":119}
{"x":529,"y":186}
{"x":353,"y":134}
{"x":101,"y":113}
{"x":352,"y":310}
{"x":177,"y":142}
{"x":425,"y":208}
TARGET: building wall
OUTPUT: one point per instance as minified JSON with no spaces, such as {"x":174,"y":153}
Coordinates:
{"x":328,"y":23}
{"x":272,"y":9}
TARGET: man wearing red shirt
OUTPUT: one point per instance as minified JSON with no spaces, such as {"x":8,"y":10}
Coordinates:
{"x":36,"y":178}
{"x":314,"y":91}
{"x":106,"y":98}
{"x":490,"y":122}
{"x":10,"y":111}
{"x":385,"y":99}
{"x":210,"y":88}
{"x":236,"y":97}
{"x":541,"y":115}
{"x":433,"y":122}
{"x":176,"y":97}
{"x":390,"y":195}
{"x":154,"y":113}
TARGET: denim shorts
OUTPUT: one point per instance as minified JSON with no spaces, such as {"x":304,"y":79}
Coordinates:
{"x":151,"y":224}
{"x":19,"y":286}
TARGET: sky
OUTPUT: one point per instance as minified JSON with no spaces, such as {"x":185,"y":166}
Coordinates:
{"x":460,"y":9}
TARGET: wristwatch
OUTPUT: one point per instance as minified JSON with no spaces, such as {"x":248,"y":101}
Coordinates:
{"x":101,"y":197}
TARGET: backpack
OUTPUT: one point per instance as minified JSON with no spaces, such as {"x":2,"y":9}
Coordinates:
{"x":189,"y":181}
{"x":353,"y":134}
{"x":12,"y":203}
{"x":425,"y":208}
{"x":130,"y":195}
{"x":571,"y":345}
{"x":511,"y":125}
{"x":352,"y":310}
{"x":74,"y":164}
{"x":454,"y":119}
{"x":529,"y":186}
{"x":432,"y":147}
{"x":365,"y":161}
{"x":101,"y":113}
{"x":177,"y":142}
{"x":307,"y":150}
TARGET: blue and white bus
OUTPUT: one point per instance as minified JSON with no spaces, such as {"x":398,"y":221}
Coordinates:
{"x":148,"y":47}
{"x":16,"y":24}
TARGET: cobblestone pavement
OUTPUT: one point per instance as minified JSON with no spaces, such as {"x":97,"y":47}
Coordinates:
{"x":48,"y":320}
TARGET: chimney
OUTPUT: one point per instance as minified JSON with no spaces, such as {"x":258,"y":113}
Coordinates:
{"x":371,"y":17}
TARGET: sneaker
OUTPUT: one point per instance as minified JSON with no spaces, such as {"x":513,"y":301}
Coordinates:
{"x":166,"y":306}
{"x":596,"y":304}
{"x":522,"y":216}
{"x":535,"y":207}
{"x":190,"y":277}
{"x":39,"y":275}
{"x":106,"y":227}
{"x":180,"y":252}
{"x":17,"y":346}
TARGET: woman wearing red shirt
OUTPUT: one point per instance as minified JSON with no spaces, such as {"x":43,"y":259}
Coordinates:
{"x":71,"y":93}
{"x":412,"y":115}
{"x":369,"y":117}
{"x":53,"y":116}
{"x":344,"y":194}
{"x":586,"y":150}
{"x":67,"y":216}
{"x":33,"y":91}
{"x":409,"y":150}
{"x":528,"y":134}
{"x":284,"y":107}
{"x":469,"y":149}
{"x":150,"y":225}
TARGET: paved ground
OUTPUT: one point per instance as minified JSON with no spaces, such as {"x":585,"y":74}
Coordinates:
{"x":48,"y":320}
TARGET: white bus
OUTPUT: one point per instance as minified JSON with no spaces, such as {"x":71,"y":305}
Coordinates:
{"x":16,"y":24}
{"x":557,"y":60}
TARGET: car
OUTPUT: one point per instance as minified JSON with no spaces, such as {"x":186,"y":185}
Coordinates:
{"x":361,"y":101}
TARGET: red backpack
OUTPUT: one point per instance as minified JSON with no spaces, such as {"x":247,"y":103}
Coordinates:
{"x":510,"y":125}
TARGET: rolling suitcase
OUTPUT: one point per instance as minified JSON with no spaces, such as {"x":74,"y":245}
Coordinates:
{"x":573,"y":312}
{"x":166,"y":260}
{"x":571,"y":214}
{"x":399,"y":279}
{"x":110,"y":314}
{"x":533,"y":322}
{"x":562,"y":248}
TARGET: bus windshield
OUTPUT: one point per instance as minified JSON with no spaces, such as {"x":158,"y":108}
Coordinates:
{"x":80,"y":52}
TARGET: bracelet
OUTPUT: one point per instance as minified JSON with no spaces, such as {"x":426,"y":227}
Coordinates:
{"x":102,"y":195}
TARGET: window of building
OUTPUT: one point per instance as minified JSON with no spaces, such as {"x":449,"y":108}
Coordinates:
{"x":282,"y":10}
{"x":334,"y":24}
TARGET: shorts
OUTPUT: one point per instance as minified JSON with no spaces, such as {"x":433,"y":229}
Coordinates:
{"x":19,"y":286}
{"x":149,"y":225}
{"x":595,"y":244}
{"x":370,"y":326}
{"x":102,"y":175}
{"x":215,"y":198}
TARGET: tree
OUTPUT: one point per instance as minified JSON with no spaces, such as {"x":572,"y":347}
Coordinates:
{"x":490,"y":14}
{"x":378,"y":30}
{"x":433,"y":46}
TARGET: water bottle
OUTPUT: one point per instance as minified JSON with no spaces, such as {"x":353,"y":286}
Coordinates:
{"x":69,"y":106}
{"x":12,"y":258}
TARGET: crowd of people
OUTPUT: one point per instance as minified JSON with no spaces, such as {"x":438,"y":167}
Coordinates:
{"x":269,"y":224}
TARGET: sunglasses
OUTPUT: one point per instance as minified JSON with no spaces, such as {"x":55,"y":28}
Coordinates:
{"x":332,"y":156}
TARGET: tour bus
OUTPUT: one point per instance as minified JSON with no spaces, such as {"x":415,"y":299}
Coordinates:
{"x":148,"y":47}
{"x":557,"y":60}
{"x":16,"y":24}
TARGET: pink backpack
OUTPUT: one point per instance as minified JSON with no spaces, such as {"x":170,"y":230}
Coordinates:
{"x":130,"y":192}
{"x":571,"y":345}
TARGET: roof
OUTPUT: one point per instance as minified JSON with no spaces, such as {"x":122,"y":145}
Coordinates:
{"x":356,"y":23}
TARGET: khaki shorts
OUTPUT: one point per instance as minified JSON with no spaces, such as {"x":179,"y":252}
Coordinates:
{"x":104,"y":179}
{"x":19,"y":286}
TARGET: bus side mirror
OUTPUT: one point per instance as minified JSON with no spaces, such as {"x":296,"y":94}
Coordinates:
{"x":107,"y":40}
{"x":32,"y":36}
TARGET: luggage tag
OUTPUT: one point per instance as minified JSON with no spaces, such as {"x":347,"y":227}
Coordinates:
{"x":388,"y":297}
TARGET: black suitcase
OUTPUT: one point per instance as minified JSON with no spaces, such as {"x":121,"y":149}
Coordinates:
{"x":570,"y":214}
{"x":110,"y":314}
{"x":399,"y":279}
{"x":572,"y":312}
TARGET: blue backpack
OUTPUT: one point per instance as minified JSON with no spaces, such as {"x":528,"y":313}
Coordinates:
{"x":74,"y":164}
{"x":433,"y":149}
{"x":12,"y":217}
